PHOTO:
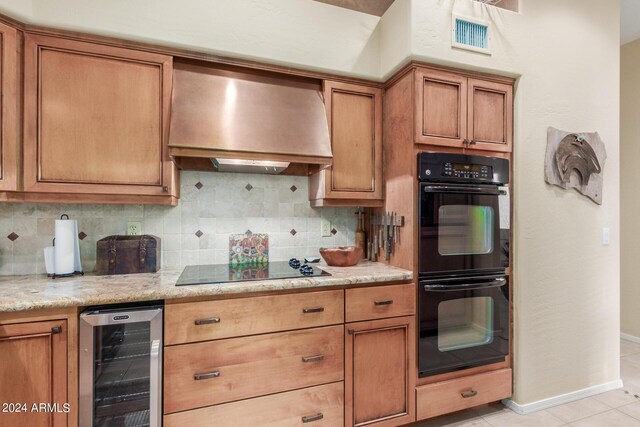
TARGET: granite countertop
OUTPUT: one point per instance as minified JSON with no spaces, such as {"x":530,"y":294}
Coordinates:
{"x":18,"y":293}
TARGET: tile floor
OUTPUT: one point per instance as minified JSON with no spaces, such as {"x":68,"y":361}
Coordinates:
{"x":617,"y":408}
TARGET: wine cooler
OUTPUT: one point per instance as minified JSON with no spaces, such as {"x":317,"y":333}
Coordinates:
{"x":121,"y":366}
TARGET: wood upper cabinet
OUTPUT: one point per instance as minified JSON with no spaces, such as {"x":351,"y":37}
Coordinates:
{"x":34,"y":371}
{"x":354,"y":115}
{"x":441,"y":105}
{"x":9,"y":112}
{"x":455,"y":110}
{"x":96,"y":119}
{"x":490,"y":115}
{"x":380,"y":372}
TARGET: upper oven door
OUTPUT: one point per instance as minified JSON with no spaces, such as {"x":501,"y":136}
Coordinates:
{"x":463,"y":229}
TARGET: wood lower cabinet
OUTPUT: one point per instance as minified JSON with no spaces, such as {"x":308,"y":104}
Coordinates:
{"x":213,"y":372}
{"x":462,"y":393}
{"x":9,"y":117}
{"x":209,"y":320}
{"x":455,"y":110}
{"x":96,"y":120}
{"x":34,"y":372}
{"x":319,"y":406}
{"x":289,"y":359}
{"x":380,"y":372}
{"x":379,"y":302}
{"x":354,"y":115}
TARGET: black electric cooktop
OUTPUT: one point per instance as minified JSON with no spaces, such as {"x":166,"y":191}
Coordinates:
{"x":225,"y":273}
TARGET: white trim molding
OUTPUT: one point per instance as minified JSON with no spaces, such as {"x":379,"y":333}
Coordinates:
{"x":562,"y":398}
{"x":628,"y":337}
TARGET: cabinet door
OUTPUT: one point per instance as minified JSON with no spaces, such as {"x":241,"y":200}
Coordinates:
{"x":441,"y":108}
{"x":354,"y":114}
{"x":490,"y":115}
{"x":380,"y":372}
{"x":96,"y":119}
{"x":34,"y":371}
{"x":9,"y":111}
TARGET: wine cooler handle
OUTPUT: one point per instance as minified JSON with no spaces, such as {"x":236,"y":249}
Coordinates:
{"x":154,"y":383}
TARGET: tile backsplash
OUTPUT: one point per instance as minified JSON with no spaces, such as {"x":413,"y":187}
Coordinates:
{"x":212,"y":206}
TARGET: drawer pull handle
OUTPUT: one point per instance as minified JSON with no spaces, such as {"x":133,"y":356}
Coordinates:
{"x":312,"y":418}
{"x":386,"y":302}
{"x":206,"y":376}
{"x":468,"y":394}
{"x":313,"y":310}
{"x":316,"y":358}
{"x":208,"y":321}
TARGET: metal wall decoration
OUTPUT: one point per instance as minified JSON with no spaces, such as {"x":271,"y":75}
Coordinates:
{"x":575,"y":160}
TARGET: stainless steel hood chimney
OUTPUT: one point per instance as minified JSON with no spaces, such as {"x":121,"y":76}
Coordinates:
{"x":242,"y":119}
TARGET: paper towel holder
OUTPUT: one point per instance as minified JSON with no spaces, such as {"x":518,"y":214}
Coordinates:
{"x":75,"y":273}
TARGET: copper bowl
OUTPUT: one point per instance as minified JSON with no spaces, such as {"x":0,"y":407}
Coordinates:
{"x":342,"y":256}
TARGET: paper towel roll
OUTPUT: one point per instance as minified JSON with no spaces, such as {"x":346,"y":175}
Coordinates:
{"x":64,"y":246}
{"x":77,"y":263}
{"x":49,"y":259}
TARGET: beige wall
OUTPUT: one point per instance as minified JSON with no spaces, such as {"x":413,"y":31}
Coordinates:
{"x":18,"y":9}
{"x":306,"y":33}
{"x":567,"y":56}
{"x":629,"y":178}
{"x":566,"y":281}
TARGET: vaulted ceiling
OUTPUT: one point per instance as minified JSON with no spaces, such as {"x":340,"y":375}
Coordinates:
{"x":629,"y":21}
{"x":372,"y":7}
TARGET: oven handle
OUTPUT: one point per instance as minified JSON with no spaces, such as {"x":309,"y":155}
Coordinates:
{"x":440,"y":287}
{"x":464,"y":189}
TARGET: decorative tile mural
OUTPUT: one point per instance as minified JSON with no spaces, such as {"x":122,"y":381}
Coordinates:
{"x":212,"y":207}
{"x":248,"y":249}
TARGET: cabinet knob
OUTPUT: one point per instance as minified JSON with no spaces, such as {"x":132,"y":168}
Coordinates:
{"x":311,"y":418}
{"x":165,"y":189}
{"x":472,"y":142}
{"x":56,"y":329}
{"x":465,"y":142}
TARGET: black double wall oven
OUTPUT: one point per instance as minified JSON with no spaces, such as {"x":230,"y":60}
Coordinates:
{"x":463,"y":249}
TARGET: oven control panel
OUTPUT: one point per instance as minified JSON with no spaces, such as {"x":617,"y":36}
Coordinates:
{"x":463,"y":168}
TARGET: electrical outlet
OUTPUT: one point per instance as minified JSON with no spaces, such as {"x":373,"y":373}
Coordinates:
{"x":134,"y":228}
{"x":606,"y":237}
{"x":325,"y":227}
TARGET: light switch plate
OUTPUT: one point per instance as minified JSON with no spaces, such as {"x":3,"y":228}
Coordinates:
{"x":606,"y":236}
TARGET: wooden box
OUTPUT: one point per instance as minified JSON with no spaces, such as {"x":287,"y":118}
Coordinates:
{"x":128,"y":254}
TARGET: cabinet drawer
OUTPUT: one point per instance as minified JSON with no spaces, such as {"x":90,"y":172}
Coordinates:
{"x":209,"y":373}
{"x":379,"y":302}
{"x":209,"y":320}
{"x":315,"y":406}
{"x":462,"y":393}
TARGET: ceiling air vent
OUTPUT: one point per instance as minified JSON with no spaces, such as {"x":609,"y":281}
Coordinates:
{"x":470,"y":34}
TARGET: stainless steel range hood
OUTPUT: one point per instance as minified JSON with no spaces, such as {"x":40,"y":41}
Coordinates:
{"x":242,"y":119}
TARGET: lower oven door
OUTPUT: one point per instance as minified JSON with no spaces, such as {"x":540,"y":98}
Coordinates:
{"x":463,"y":323}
